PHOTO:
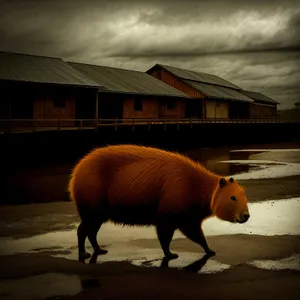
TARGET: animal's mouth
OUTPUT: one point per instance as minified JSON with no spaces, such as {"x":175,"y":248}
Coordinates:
{"x":242,"y":221}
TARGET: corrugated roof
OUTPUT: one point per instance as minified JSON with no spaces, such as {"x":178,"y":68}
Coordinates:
{"x":32,"y":68}
{"x":127,"y":81}
{"x":259,"y":97}
{"x":198,"y":76}
{"x":218,"y":92}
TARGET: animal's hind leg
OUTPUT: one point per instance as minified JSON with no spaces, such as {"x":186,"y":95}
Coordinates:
{"x":92,"y":236}
{"x":82,"y":232}
{"x":165,"y":234}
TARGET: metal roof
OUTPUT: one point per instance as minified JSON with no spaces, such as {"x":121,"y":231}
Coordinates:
{"x":198,"y":76}
{"x":40,"y":69}
{"x":218,"y":92}
{"x":259,"y":97}
{"x":127,"y":81}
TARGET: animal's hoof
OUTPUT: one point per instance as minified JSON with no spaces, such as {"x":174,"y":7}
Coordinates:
{"x":171,"y":256}
{"x":84,"y":255}
{"x":210,"y":252}
{"x":101,"y":251}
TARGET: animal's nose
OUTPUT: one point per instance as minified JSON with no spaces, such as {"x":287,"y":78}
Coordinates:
{"x":246,"y":216}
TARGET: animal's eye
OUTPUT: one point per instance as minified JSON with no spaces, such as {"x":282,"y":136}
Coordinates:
{"x":233,"y":198}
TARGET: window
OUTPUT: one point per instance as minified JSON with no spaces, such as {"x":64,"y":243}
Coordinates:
{"x":171,"y":104}
{"x":138,"y":104}
{"x":59,"y":102}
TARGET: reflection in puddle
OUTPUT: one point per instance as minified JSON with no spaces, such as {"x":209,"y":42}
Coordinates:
{"x":289,"y":263}
{"x":186,"y":261}
{"x":90,"y":283}
{"x":40,"y":286}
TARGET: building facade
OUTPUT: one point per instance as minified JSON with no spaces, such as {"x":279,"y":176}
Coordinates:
{"x":132,"y":94}
{"x":37,"y":91}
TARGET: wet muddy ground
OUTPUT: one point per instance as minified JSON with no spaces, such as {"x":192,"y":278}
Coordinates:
{"x":256,"y":260}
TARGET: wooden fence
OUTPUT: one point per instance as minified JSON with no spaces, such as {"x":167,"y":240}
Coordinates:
{"x":33,"y":125}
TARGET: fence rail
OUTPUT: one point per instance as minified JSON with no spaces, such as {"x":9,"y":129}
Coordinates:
{"x":32,"y":125}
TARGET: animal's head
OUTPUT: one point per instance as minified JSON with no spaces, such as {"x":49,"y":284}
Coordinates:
{"x":230,"y":202}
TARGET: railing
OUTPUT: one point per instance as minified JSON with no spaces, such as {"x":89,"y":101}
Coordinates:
{"x":26,"y":125}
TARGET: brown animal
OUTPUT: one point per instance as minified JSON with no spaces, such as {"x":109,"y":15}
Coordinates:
{"x":137,"y":185}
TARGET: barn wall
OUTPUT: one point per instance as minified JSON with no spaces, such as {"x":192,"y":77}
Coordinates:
{"x":217,"y":111}
{"x":239,"y":110}
{"x":177,"y":112}
{"x":262,"y":111}
{"x":149,"y":108}
{"x":173,"y":81}
{"x":55,"y":104}
{"x":156,"y":73}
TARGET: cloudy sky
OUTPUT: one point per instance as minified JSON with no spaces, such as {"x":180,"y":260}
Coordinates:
{"x":252,"y":43}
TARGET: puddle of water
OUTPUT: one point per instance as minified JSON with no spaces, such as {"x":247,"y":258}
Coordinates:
{"x":40,"y":286}
{"x":288,"y":263}
{"x":267,"y":169}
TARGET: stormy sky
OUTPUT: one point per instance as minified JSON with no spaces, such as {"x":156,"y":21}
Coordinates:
{"x":252,"y":43}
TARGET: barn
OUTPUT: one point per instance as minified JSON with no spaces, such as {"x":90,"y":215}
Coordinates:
{"x":212,"y":96}
{"x":262,"y":107}
{"x":132,"y":94}
{"x":38,"y":90}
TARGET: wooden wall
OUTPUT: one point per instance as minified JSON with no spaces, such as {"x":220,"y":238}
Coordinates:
{"x":153,"y":108}
{"x":149,"y":108}
{"x":217,"y":109}
{"x":170,"y":79}
{"x":173,"y":81}
{"x":262,"y":111}
{"x":178,"y":111}
{"x":46,"y":107}
{"x":239,"y":110}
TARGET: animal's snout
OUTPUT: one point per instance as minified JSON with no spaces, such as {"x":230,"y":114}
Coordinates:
{"x":246,"y":216}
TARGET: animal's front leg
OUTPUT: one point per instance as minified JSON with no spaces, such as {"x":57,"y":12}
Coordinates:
{"x":193,"y":231}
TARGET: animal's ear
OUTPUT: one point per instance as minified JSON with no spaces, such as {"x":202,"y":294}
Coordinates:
{"x":231,"y":179}
{"x":222,"y":182}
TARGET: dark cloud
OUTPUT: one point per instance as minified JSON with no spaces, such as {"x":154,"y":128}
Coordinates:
{"x":254,"y":44}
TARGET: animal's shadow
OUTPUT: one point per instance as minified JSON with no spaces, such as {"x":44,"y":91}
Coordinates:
{"x":194,"y":267}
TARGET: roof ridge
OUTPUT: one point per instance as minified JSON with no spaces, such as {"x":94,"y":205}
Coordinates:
{"x":184,"y":69}
{"x":32,"y":55}
{"x":102,"y":66}
{"x":197,"y":73}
